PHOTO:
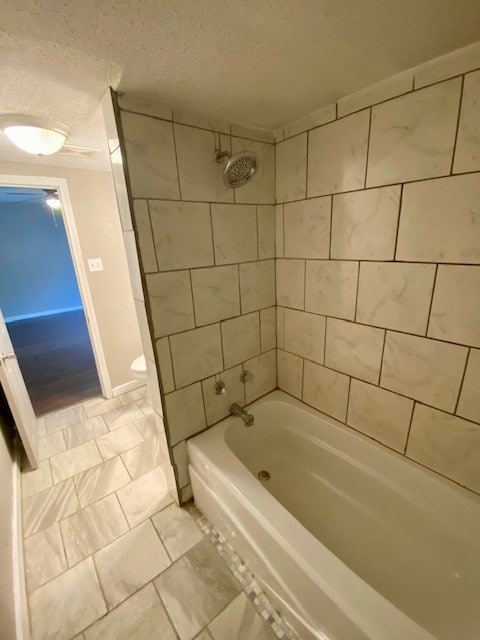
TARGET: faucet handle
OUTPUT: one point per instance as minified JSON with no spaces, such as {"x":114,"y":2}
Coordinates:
{"x":246,"y":376}
{"x":220,"y":388}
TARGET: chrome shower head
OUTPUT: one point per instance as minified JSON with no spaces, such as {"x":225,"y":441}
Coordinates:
{"x":239,"y":169}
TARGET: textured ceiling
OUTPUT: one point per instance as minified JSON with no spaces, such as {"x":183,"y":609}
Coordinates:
{"x":260,"y":62}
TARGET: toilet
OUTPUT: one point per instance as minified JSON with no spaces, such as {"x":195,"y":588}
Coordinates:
{"x":139,"y":368}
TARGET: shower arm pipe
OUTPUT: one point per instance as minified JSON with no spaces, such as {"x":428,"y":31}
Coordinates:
{"x":220,"y":155}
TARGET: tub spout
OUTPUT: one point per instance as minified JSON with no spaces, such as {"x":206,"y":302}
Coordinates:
{"x":247,"y":418}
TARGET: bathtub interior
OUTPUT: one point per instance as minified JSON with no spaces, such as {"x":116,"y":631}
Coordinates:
{"x":423,"y":558}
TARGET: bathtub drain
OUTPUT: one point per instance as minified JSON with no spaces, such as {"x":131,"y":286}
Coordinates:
{"x":263,"y":475}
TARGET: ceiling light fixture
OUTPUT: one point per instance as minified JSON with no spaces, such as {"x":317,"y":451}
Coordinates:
{"x":34,"y":135}
{"x":53,"y":202}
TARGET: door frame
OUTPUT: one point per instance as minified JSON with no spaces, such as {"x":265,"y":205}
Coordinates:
{"x":61,"y":186}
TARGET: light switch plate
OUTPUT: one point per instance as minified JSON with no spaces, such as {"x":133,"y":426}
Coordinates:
{"x":95,"y":264}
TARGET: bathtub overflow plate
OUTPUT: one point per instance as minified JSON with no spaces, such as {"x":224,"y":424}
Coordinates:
{"x":263,"y":475}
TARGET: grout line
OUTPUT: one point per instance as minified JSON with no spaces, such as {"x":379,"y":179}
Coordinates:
{"x":399,"y":213}
{"x":171,"y":360}
{"x":330,"y":230}
{"x":348,"y":398}
{"x":430,"y":307}
{"x":176,"y":161}
{"x":258,"y":235}
{"x":457,"y":127}
{"x":356,"y":259}
{"x":303,"y":379}
{"x":304,"y":284}
{"x":462,"y":381}
{"x":368,"y":145}
{"x":164,"y":606}
{"x":212,"y":235}
{"x":324,"y":341}
{"x":306,"y":162}
{"x":150,"y":225}
{"x":192,"y":297}
{"x":357,"y":290}
{"x":409,"y":428}
{"x":381,"y":357}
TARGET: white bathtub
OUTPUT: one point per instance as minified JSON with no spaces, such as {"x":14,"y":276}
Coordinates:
{"x":355,"y":541}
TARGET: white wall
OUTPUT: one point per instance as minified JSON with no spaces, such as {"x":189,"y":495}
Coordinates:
{"x":98,"y":224}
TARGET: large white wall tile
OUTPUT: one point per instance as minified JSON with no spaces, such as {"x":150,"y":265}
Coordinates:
{"x":290,"y":373}
{"x":201,"y":177}
{"x":354,"y":349}
{"x":240,"y":338}
{"x":182,"y":234}
{"x":262,"y":188}
{"x":337,"y":155}
{"x":446,"y":444}
{"x":185,"y":412}
{"x":326,"y":390}
{"x":467,"y":151}
{"x":440,"y":220}
{"x":380,"y":414}
{"x":307,"y":228}
{"x":171,"y":302}
{"x":427,"y":370}
{"x":364,"y":224}
{"x":264,"y":375}
{"x":257,"y":285}
{"x":196,"y":354}
{"x":412,"y":137}
{"x":290,"y":283}
{"x":266,"y":231}
{"x":331,"y":288}
{"x":395,"y":295}
{"x":218,"y":406}
{"x":456,"y":305}
{"x":291,"y":168}
{"x":215,"y":293}
{"x":234,"y":233}
{"x":469,"y":404}
{"x":304,"y":334}
{"x":384,"y":90}
{"x":151,"y":159}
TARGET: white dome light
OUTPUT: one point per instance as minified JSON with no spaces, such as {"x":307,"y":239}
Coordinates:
{"x":33,"y":135}
{"x":53,"y":202}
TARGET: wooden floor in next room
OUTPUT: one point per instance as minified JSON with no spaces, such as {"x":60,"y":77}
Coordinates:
{"x":56,"y":359}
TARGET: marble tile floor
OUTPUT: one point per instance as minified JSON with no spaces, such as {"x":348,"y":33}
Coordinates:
{"x":108,"y":555}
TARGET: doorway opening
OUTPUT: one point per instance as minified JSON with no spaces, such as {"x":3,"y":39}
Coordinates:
{"x":41,"y":300}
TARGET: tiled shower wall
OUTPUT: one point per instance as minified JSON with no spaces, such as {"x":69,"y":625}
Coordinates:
{"x":208,"y":259}
{"x":378,"y":254}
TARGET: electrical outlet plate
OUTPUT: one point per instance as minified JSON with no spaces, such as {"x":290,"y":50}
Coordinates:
{"x":95,"y":264}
